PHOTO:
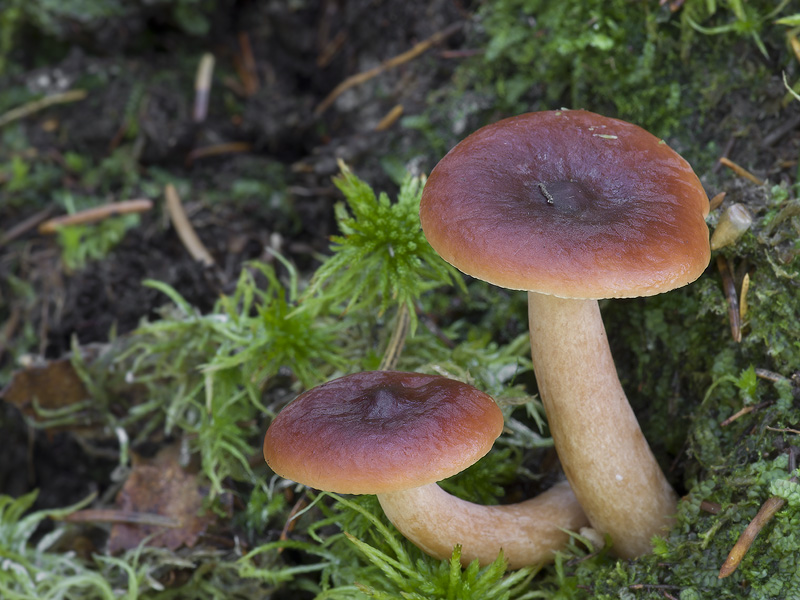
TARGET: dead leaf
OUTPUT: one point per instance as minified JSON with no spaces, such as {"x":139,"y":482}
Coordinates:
{"x":161,"y":486}
{"x":50,"y":387}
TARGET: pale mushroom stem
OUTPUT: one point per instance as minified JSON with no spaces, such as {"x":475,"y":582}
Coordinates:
{"x":602,"y":449}
{"x":528,"y":532}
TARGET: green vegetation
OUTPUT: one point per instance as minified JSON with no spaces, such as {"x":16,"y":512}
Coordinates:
{"x":723,"y":417}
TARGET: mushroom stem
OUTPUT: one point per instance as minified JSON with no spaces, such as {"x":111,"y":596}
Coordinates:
{"x":528,"y":532}
{"x":602,"y":449}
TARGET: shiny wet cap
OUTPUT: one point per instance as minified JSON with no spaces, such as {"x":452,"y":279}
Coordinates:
{"x":568,"y":203}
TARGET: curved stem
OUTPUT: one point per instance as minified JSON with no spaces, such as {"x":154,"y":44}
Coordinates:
{"x":528,"y":532}
{"x":602,"y":449}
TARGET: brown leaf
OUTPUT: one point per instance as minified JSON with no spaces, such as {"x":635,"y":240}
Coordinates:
{"x":52,"y":386}
{"x":161,"y":486}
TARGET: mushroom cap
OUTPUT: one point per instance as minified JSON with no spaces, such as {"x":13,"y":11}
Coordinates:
{"x":568,"y":203}
{"x":381,"y":431}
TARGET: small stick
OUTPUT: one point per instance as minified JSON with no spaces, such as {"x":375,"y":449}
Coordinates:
{"x":390,"y":118}
{"x":186,"y":232}
{"x":742,"y":545}
{"x":359,"y":78}
{"x":202,"y":87}
{"x":330,"y":49}
{"x":217,"y":149}
{"x":716,"y":201}
{"x":98,"y":213}
{"x":33,"y":107}
{"x":731,"y":296}
{"x":784,"y":430}
{"x":249,"y":72}
{"x":740,"y":171}
{"x":25,"y":226}
{"x":743,"y":297}
{"x":770,"y":375}
{"x":291,"y":521}
{"x":99,"y":515}
{"x":736,"y":415}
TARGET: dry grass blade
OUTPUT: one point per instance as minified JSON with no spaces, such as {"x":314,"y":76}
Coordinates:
{"x":731,"y":296}
{"x":184,"y":228}
{"x":741,"y":171}
{"x":406,"y":56}
{"x":742,"y":545}
{"x":37,"y":105}
{"x":202,"y":87}
{"x":98,"y":213}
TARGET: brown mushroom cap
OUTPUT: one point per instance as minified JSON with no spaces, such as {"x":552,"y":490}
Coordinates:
{"x":381,"y":431}
{"x":568,"y":203}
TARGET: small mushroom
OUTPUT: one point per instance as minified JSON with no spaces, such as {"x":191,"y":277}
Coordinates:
{"x":395,"y":435}
{"x":573,"y":207}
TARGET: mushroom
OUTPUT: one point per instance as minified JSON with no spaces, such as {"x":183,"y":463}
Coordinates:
{"x":574,"y":207}
{"x":395,"y":434}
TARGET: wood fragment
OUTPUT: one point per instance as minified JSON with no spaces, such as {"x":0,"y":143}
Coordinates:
{"x":186,"y":232}
{"x":291,"y":520}
{"x":736,"y":415}
{"x":742,"y":545}
{"x":390,"y":119}
{"x":408,"y":55}
{"x":770,"y":375}
{"x":741,"y":171}
{"x":95,"y":214}
{"x":109,"y":515}
{"x":743,"y":297}
{"x":784,"y":430}
{"x":711,"y":507}
{"x":716,"y":201}
{"x":218,"y":150}
{"x":202,"y":87}
{"x":248,"y":72}
{"x":25,"y":225}
{"x":37,"y":105}
{"x":331,"y":49}
{"x":731,"y":296}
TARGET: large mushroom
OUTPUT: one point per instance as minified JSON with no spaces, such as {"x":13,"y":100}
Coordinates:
{"x":574,"y":207}
{"x":396,"y":434}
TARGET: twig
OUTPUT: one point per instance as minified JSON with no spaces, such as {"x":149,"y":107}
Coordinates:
{"x":730,"y":295}
{"x":742,"y":545}
{"x":98,"y":213}
{"x":783,"y":430}
{"x":291,"y":520}
{"x":202,"y":87}
{"x":216,"y":150}
{"x":330,"y":49}
{"x":770,"y":375}
{"x":99,"y":515}
{"x":248,"y":72}
{"x":744,"y":411}
{"x":390,"y":118}
{"x":736,"y":415}
{"x":743,"y":306}
{"x":716,"y":201}
{"x":186,"y":232}
{"x":406,"y":56}
{"x":25,"y":226}
{"x":33,"y":107}
{"x":741,"y":171}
